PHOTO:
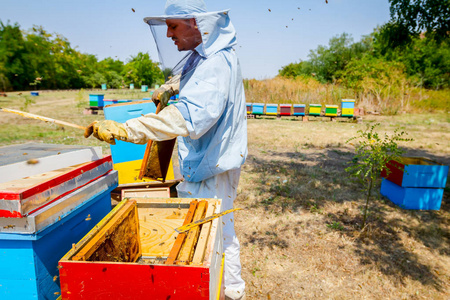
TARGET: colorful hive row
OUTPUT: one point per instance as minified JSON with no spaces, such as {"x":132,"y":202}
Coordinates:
{"x":347,"y":109}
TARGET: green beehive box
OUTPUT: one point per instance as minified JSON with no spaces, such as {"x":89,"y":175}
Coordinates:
{"x":331,"y":110}
{"x":314,"y":109}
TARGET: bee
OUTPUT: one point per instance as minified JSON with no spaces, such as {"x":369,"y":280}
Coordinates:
{"x":32,"y":161}
{"x":270,"y":10}
{"x":133,"y":10}
{"x":88,"y":218}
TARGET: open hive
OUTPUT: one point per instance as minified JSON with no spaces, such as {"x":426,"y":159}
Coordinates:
{"x":135,"y":252}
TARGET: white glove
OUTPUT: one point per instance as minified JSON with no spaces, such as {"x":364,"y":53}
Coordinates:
{"x":167,"y":90}
{"x":166,"y":125}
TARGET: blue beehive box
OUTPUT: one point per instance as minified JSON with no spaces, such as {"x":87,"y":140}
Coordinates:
{"x":34,"y":93}
{"x":104,"y":86}
{"x":299,"y":109}
{"x":127,"y":157}
{"x":258,"y":108}
{"x":144,"y":88}
{"x":109,"y":102}
{"x":412,"y":198}
{"x":415,"y":183}
{"x":271,"y":109}
{"x":96,"y":100}
{"x":29,"y":261}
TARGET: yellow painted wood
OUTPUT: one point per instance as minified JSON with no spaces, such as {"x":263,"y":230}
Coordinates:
{"x":219,"y":287}
{"x":129,"y":172}
{"x":348,"y":111}
{"x":314,"y":110}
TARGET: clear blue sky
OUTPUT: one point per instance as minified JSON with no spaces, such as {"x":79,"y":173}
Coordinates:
{"x":111,"y":29}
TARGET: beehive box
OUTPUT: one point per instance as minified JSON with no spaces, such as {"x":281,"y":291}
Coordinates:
{"x":23,"y":160}
{"x":315,"y":109}
{"x":127,"y":255}
{"x":272,"y":109}
{"x":299,"y":109}
{"x":144,"y":88}
{"x":96,"y":100}
{"x":347,"y":107}
{"x":331,"y":110}
{"x":258,"y":108}
{"x":110,"y":102}
{"x":415,"y":183}
{"x":417,"y":172}
{"x":249,"y":108}
{"x":31,"y":247}
{"x":285,"y":109}
{"x":21,"y":197}
{"x":412,"y":198}
{"x":127,"y":157}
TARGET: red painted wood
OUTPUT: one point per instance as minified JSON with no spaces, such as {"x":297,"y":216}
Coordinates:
{"x":99,"y":280}
{"x":396,"y":172}
{"x":25,"y":193}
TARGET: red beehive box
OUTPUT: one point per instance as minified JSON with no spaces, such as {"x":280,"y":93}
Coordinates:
{"x":21,"y":197}
{"x":124,"y":256}
{"x":285,"y":109}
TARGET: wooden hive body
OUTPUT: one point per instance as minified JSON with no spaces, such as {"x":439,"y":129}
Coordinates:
{"x":136,"y":275}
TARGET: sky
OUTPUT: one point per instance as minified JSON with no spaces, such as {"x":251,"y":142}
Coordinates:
{"x":270,"y":34}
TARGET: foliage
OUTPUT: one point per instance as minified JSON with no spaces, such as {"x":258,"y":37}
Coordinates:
{"x":431,"y":16}
{"x":326,"y":61}
{"x":27,"y":56}
{"x":383,"y":79}
{"x":142,"y":70}
{"x":372,"y":152}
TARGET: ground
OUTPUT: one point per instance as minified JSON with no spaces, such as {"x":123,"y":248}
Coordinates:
{"x":300,"y":230}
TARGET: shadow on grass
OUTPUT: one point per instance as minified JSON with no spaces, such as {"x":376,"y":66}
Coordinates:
{"x":313,"y":177}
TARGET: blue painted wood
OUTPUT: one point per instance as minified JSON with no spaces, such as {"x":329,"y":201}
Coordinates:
{"x":347,"y":104}
{"x":258,"y":108}
{"x":271,"y":108}
{"x":28,"y":262}
{"x":430,"y":176}
{"x":96,"y":100}
{"x":123,"y":151}
{"x":412,"y":198}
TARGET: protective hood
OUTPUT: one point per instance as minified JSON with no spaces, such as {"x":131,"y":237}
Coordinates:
{"x":216,"y":30}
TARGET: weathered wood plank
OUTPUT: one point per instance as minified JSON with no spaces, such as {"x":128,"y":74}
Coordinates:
{"x":187,"y":250}
{"x":203,"y":238}
{"x":181,"y":237}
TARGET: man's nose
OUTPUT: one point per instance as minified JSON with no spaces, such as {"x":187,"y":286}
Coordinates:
{"x":169,"y":33}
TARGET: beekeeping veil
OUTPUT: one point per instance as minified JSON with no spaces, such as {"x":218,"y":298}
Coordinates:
{"x":216,"y":29}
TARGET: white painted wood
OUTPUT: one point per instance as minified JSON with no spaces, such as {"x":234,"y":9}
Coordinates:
{"x":32,"y":159}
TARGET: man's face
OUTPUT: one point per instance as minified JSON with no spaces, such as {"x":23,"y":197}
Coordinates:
{"x":184,"y":33}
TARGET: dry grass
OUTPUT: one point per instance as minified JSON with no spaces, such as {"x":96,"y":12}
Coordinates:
{"x":300,"y":231}
{"x":390,"y":100}
{"x":308,"y":243}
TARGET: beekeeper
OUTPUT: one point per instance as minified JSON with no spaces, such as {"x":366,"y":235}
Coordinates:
{"x":209,"y":118}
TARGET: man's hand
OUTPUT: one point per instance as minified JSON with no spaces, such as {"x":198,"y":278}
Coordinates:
{"x":107,"y":131}
{"x":167,"y":90}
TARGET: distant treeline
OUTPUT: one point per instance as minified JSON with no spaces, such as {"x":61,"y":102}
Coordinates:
{"x":37,"y":59}
{"x":413,"y":49}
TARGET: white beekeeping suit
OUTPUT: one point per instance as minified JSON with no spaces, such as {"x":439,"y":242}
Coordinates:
{"x":209,"y":120}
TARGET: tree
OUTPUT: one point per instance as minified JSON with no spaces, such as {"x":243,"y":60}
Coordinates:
{"x":431,"y":16}
{"x":142,"y":70}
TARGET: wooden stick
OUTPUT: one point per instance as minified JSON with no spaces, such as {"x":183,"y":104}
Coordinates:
{"x":187,"y":250}
{"x":180,"y":238}
{"x":41,"y":118}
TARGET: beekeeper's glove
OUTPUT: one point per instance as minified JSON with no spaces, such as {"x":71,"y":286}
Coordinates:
{"x":107,"y":131}
{"x":167,"y":90}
